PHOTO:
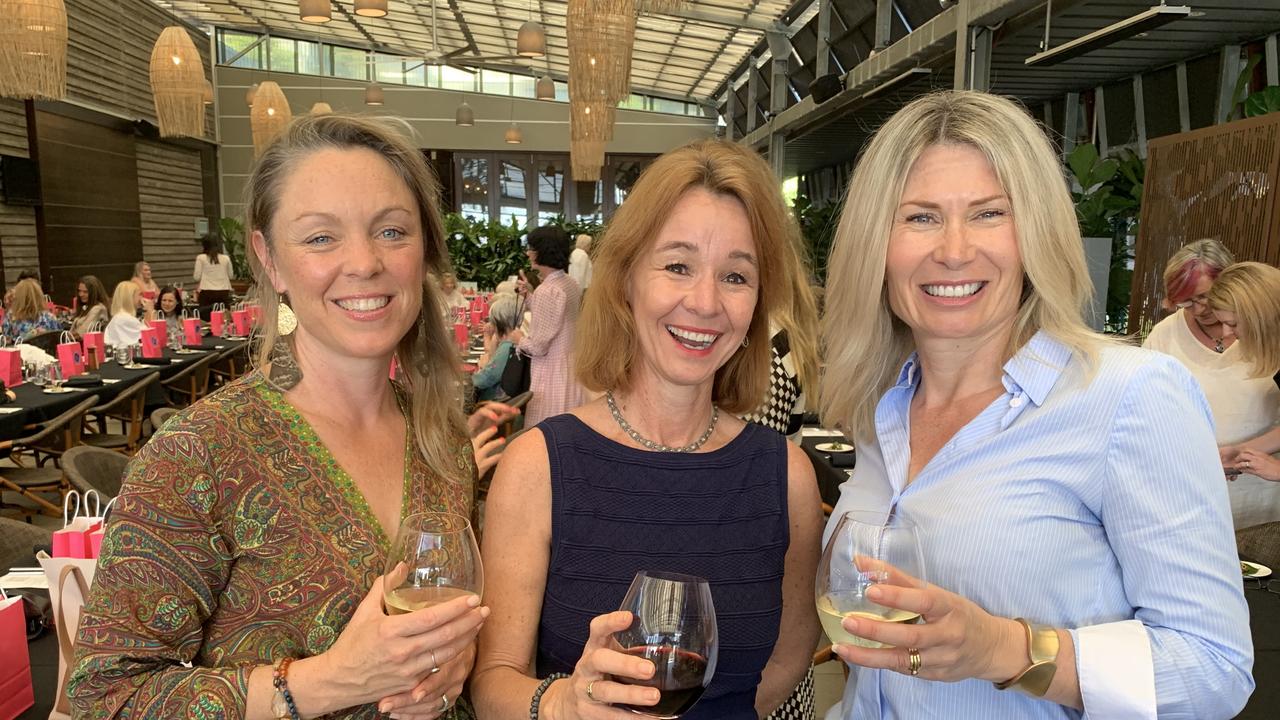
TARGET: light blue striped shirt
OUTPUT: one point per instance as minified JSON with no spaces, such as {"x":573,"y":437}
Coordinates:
{"x":1080,"y":503}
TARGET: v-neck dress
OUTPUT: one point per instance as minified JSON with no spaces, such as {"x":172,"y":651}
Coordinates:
{"x":236,"y":540}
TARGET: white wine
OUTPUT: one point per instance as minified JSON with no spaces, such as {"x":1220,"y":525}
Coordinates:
{"x":407,"y":599}
{"x":831,"y":611}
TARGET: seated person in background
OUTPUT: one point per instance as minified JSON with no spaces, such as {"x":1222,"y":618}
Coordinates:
{"x":27,"y":274}
{"x":91,"y":306}
{"x":147,"y":287}
{"x":170,"y":304}
{"x":125,"y":328}
{"x":1246,"y":300}
{"x":501,"y":332}
{"x":453,"y":297}
{"x":27,"y":314}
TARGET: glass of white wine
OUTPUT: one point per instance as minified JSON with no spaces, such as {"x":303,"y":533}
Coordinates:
{"x":434,"y":559}
{"x":866,"y":549}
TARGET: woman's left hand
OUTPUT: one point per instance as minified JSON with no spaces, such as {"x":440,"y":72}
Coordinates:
{"x":426,"y":701}
{"x":489,"y":415}
{"x":957,"y":641}
{"x":1257,"y":463}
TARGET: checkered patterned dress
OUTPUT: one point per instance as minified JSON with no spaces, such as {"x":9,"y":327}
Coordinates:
{"x":783,"y":409}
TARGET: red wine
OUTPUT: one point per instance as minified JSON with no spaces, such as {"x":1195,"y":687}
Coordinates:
{"x":678,"y":676}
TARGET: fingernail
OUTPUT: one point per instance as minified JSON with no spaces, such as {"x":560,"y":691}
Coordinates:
{"x":484,"y":611}
{"x":384,"y":707}
{"x":874,"y":592}
{"x":473,"y":601}
{"x":418,"y":695}
{"x":836,"y":648}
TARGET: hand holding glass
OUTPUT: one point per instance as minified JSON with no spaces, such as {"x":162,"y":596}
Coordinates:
{"x":867,"y":548}
{"x":434,"y":559}
{"x":674,"y":627}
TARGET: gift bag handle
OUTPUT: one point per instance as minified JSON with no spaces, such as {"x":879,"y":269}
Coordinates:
{"x":66,"y":505}
{"x":66,"y":644}
{"x":67,"y":337}
{"x":97,"y":503}
{"x":107,"y":508}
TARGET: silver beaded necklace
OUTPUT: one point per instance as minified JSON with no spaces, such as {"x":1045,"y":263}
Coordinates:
{"x":659,"y":447}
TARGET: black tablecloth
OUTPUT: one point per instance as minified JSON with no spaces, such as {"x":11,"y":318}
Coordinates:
{"x":829,"y":476}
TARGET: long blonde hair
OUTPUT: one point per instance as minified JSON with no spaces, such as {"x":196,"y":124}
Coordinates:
{"x":426,"y":354}
{"x":1251,"y":290}
{"x":28,"y":300}
{"x":865,"y":342}
{"x":125,"y":298}
{"x":606,"y":348}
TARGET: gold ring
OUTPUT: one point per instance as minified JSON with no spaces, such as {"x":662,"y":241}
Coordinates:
{"x":435,"y":666}
{"x":444,"y":699}
{"x":591,"y":696}
{"x":913,"y":656}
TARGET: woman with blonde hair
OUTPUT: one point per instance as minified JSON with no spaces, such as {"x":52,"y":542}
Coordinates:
{"x":125,"y":328}
{"x":1244,"y":405}
{"x":27,"y":314}
{"x":660,"y":474}
{"x":261,"y":517}
{"x":1246,"y":300}
{"x":1065,"y":488}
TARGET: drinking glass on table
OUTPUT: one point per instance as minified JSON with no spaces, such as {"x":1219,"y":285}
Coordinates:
{"x":434,"y":559}
{"x":867,"y":548}
{"x":55,"y":376}
{"x":673,"y":626}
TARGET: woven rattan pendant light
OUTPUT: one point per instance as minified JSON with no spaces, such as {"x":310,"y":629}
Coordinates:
{"x":464,"y":116}
{"x":371,"y":8}
{"x":373,"y":95}
{"x":177,"y":84}
{"x":208,"y":93}
{"x":315,"y":11}
{"x":601,"y":34}
{"x":545,"y":89}
{"x":33,"y":49}
{"x":321,"y":108}
{"x":250,"y":93}
{"x":269,"y":116}
{"x":661,"y":7}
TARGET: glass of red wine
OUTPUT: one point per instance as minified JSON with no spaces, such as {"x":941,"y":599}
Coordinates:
{"x":674,"y":627}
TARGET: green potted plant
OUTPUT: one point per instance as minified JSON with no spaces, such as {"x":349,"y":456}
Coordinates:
{"x":231,"y":231}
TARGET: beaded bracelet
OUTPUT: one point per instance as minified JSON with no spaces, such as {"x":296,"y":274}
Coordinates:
{"x":542,"y":688}
{"x":280,"y":681}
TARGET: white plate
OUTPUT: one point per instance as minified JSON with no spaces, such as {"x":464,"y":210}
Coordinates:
{"x":833,"y":447}
{"x":188,"y":351}
{"x":58,"y":391}
{"x":1260,"y":571}
{"x":135,"y":366}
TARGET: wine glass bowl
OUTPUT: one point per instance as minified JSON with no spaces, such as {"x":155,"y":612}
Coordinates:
{"x":867,"y":548}
{"x":673,"y":626}
{"x":434,"y":559}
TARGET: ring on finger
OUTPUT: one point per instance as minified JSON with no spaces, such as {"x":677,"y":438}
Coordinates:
{"x":444,"y":699}
{"x":913,"y":658}
{"x":435,"y":666}
{"x":590,"y":695}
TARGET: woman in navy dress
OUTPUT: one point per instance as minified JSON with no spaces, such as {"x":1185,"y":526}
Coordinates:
{"x":660,"y":473}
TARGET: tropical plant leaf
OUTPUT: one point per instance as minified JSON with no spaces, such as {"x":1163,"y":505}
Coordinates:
{"x":1262,"y":102}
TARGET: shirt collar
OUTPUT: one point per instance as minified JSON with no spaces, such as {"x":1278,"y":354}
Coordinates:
{"x":1033,"y":370}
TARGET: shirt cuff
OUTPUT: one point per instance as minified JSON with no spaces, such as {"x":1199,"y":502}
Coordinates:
{"x":1115,"y":670}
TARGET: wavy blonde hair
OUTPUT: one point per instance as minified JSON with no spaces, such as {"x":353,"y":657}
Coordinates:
{"x":865,"y":342}
{"x":606,"y":346}
{"x":28,"y":300}
{"x":1251,"y":290}
{"x":426,"y":353}
{"x":125,"y":298}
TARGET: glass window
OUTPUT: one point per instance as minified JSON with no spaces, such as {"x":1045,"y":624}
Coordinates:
{"x":634,"y":102}
{"x":664,"y":105}
{"x":625,"y":174}
{"x":524,"y":86}
{"x":308,"y":57}
{"x":562,"y":91}
{"x":474,"y":193}
{"x":590,"y":196}
{"x":284,"y":55}
{"x":233,"y":43}
{"x":512,"y":198}
{"x":349,"y":63}
{"x":389,"y":69}
{"x":452,"y":78}
{"x":495,"y":82}
{"x":433,"y":76}
{"x":550,"y":189}
{"x":415,"y":73}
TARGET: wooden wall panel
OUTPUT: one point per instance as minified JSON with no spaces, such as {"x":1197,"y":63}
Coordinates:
{"x":90,"y":218}
{"x":171,"y":198}
{"x":17,"y":223}
{"x":1218,"y":182}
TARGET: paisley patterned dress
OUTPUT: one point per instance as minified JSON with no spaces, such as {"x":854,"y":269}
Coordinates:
{"x":236,"y":540}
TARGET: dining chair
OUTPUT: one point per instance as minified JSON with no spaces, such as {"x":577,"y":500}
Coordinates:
{"x":47,"y":341}
{"x":516,"y":423}
{"x":129,"y":408}
{"x":18,"y":541}
{"x":95,"y":468}
{"x":47,"y":443}
{"x":191,"y":383}
{"x":160,"y":416}
{"x":231,"y":364}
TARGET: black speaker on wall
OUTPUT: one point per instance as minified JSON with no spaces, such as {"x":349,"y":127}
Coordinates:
{"x":825,"y":87}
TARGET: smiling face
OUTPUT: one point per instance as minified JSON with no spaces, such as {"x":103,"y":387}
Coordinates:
{"x":168,"y":302}
{"x":146,"y":272}
{"x":347,"y":247}
{"x":82,"y":292}
{"x":693,"y":292}
{"x":953,"y":270}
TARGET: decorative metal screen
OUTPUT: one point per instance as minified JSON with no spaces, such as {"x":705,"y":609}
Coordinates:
{"x":1218,"y":182}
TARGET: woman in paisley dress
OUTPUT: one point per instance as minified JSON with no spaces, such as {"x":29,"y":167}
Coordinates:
{"x":251,"y":532}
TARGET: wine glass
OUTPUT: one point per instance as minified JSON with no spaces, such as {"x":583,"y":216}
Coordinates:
{"x":863,"y":551}
{"x":673,"y":626}
{"x":434,"y":559}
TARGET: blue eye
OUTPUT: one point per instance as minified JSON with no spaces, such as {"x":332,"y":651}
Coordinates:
{"x":919,"y":218}
{"x":392,"y":234}
{"x":319,"y":240}
{"x":991,"y":214}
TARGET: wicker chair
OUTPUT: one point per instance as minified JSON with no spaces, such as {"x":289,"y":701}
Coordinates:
{"x":160,"y":416}
{"x":95,"y":468}
{"x":18,"y":541}
{"x":191,"y":383}
{"x":48,"y":443}
{"x":1260,"y":543}
{"x":129,"y":408}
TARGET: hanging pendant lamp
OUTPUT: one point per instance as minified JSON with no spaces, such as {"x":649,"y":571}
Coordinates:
{"x":371,"y":8}
{"x":545,"y":89}
{"x":513,"y":136}
{"x":33,"y":49}
{"x":208,"y":93}
{"x":531,"y":42}
{"x":315,"y":11}
{"x":373,"y":95}
{"x":465,"y":116}
{"x":321,"y":108}
{"x":270,"y":115}
{"x":248,"y":94}
{"x":177,"y":84}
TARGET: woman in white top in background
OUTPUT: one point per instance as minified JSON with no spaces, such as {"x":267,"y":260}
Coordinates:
{"x":580,"y":261}
{"x":213,"y":275}
{"x":1243,"y":406}
{"x":125,"y":328}
{"x":453,"y":297}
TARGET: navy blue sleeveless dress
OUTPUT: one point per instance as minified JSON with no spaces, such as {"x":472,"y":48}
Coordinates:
{"x":721,"y":515}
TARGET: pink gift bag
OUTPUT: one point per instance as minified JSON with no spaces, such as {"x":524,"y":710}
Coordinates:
{"x":70,"y":356}
{"x":93,"y":339}
{"x":16,"y":691}
{"x":161,"y":327}
{"x":153,"y":342}
{"x":191,"y":331}
{"x":72,"y":541}
{"x":240,"y":318}
{"x":460,"y":334}
{"x":11,"y":367}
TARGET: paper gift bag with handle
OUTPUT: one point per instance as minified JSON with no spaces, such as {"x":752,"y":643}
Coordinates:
{"x":93,"y":340}
{"x":160,"y":325}
{"x":16,"y":691}
{"x":95,"y":535}
{"x":217,"y":319}
{"x":79,"y":520}
{"x":11,"y":367}
{"x":191,"y":328}
{"x":70,"y":356}
{"x":152,"y":342}
{"x":69,"y":583}
{"x":240,"y":318}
